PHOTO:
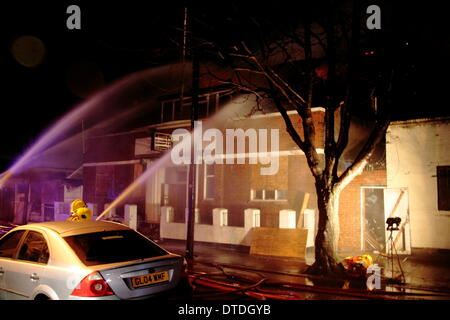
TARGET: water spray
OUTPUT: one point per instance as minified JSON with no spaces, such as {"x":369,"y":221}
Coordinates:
{"x":226,"y":112}
{"x":82,"y":111}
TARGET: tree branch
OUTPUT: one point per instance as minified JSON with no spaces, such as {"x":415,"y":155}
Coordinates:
{"x":364,"y":155}
{"x":238,"y":69}
{"x":309,"y":131}
{"x":289,"y":125}
{"x":345,"y":114}
{"x":319,"y":40}
{"x":238,"y":84}
{"x":330,"y":143}
{"x":273,"y":77}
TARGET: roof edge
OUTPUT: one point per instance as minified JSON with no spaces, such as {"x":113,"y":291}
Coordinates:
{"x":421,"y":120}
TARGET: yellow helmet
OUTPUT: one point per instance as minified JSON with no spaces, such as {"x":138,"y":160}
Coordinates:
{"x":367,"y":260}
{"x":79,"y":211}
{"x":76,"y":204}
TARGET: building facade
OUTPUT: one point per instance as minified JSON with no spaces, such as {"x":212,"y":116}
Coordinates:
{"x":112,"y":162}
{"x":418,"y":160}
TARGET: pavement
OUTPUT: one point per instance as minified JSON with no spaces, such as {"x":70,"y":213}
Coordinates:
{"x":426,"y":272}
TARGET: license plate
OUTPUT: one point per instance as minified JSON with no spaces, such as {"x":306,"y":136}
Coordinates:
{"x":149,"y":279}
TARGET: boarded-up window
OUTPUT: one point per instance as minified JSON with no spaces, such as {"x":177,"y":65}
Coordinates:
{"x":443,"y":184}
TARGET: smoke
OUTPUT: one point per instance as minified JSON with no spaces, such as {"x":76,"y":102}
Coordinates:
{"x":359,"y":132}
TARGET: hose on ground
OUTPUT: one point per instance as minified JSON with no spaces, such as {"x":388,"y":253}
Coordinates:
{"x":251,"y":291}
{"x":203,"y":278}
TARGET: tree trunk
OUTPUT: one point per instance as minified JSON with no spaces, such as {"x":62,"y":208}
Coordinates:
{"x":326,"y":241}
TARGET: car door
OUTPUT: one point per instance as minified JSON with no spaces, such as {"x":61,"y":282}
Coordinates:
{"x":8,"y":249}
{"x":23,"y":274}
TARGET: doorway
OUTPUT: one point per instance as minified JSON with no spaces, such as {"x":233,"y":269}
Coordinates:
{"x":377,"y":205}
{"x":373,"y":219}
{"x":7,"y":204}
{"x":174,"y":191}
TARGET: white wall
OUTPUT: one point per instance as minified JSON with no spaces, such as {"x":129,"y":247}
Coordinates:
{"x":71,"y":194}
{"x":413,"y":150}
{"x":219,"y":232}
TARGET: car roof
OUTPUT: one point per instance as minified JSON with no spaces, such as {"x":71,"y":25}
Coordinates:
{"x":66,"y":228}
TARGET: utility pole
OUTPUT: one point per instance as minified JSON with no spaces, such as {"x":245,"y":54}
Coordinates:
{"x":192,"y":168}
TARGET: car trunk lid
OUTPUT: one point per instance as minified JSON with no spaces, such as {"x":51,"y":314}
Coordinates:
{"x":144,"y":278}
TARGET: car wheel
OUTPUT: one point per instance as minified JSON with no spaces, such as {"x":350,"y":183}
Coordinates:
{"x":41,"y":297}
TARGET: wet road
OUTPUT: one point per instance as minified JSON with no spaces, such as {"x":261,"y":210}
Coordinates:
{"x":232,"y":266}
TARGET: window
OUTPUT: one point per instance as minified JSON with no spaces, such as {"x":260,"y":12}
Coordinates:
{"x":208,"y":104}
{"x":34,"y":248}
{"x":9,"y":243}
{"x":282,"y":195}
{"x":269,"y":195}
{"x":210,"y":182}
{"x":258,"y":194}
{"x":113,"y":246}
{"x":443,"y":186}
{"x":176,"y":175}
{"x":173,"y":109}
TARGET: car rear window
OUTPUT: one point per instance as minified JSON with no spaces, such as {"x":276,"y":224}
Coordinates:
{"x":113,"y":246}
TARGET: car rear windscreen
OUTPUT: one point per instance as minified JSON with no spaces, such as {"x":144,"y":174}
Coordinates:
{"x":113,"y":246}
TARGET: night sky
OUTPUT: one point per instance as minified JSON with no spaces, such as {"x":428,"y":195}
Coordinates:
{"x":117,"y":39}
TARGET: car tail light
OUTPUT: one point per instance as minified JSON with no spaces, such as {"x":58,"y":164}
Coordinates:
{"x":93,"y":285}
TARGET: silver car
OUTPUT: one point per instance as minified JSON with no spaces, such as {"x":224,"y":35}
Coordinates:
{"x":84,"y":260}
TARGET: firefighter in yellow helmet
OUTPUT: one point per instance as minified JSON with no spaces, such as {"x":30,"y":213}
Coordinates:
{"x":79,"y":211}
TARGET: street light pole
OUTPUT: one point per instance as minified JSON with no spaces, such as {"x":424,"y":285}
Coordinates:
{"x":192,"y":168}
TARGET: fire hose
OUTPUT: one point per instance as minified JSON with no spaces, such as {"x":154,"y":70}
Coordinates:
{"x":277,"y":294}
{"x":322,"y":289}
{"x":253,"y":290}
{"x":442,"y":291}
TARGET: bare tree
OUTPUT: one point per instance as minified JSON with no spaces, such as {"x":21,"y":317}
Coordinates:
{"x":278,"y":61}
